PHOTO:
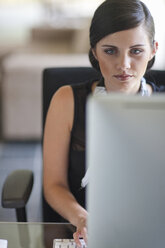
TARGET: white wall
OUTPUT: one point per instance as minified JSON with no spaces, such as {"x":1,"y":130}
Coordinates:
{"x":157,"y":8}
{"x":16,"y":19}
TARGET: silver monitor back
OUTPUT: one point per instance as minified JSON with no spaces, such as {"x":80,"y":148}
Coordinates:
{"x":126,"y":156}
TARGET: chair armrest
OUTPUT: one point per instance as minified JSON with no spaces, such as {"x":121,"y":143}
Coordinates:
{"x":17,"y":189}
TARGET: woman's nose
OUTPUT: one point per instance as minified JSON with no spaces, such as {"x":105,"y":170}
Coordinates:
{"x":124,"y":62}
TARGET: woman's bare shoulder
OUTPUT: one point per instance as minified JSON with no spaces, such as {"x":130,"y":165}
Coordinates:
{"x":62,"y":106}
{"x":64,"y":93}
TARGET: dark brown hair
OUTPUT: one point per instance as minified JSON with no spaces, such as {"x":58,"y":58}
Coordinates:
{"x":118,"y":15}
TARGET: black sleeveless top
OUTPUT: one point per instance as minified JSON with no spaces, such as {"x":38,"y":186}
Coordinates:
{"x":77,"y":143}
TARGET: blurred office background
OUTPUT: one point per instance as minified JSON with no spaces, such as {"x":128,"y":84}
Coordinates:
{"x":35,"y":34}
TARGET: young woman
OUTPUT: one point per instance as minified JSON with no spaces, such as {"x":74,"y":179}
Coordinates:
{"x":123,"y":47}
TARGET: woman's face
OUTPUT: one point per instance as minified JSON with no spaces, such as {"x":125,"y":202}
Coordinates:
{"x":123,"y":57}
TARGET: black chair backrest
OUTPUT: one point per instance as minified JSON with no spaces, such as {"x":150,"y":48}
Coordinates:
{"x":53,"y":78}
{"x":156,"y":76}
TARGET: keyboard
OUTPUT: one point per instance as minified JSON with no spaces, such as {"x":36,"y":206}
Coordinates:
{"x":67,"y":243}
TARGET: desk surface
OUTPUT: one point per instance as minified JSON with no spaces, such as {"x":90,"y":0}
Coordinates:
{"x":34,"y":235}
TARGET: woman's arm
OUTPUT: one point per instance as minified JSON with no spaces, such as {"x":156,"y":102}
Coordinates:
{"x":57,"y":133}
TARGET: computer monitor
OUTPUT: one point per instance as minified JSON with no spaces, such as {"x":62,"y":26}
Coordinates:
{"x":126,"y":159}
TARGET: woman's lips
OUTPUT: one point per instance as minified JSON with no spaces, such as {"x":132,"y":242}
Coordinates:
{"x":123,"y":77}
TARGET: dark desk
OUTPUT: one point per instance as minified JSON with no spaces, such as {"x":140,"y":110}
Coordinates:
{"x":34,"y":235}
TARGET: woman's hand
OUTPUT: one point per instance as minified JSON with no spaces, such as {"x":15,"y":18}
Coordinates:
{"x":81,"y":232}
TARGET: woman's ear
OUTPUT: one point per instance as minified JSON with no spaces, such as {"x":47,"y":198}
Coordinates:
{"x":154,"y":49}
{"x":94,"y":53}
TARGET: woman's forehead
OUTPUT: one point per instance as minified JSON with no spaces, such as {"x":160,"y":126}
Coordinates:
{"x":130,"y":37}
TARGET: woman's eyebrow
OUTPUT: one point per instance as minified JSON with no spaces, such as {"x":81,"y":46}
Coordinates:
{"x":112,"y":46}
{"x":109,"y":46}
{"x":137,"y":45}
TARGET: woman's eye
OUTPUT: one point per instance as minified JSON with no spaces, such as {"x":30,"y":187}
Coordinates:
{"x":136,"y":51}
{"x":110,"y":51}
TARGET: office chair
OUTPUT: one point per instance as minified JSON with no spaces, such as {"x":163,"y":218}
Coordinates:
{"x":53,"y":78}
{"x":16,"y":192}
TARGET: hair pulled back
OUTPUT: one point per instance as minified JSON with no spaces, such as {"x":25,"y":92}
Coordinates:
{"x":118,"y":15}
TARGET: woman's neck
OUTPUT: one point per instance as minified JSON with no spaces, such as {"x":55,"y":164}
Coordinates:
{"x":134,"y":91}
{"x":126,"y":89}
